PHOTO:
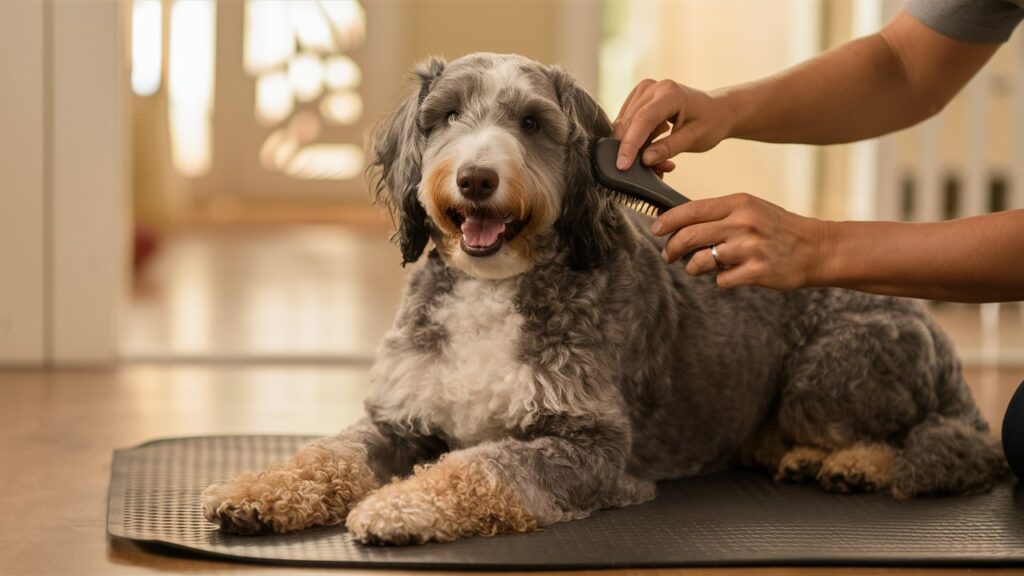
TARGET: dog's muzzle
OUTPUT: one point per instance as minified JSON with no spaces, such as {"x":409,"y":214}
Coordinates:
{"x":484,"y":228}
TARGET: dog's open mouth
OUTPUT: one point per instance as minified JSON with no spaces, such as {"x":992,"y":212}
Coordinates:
{"x":484,"y":229}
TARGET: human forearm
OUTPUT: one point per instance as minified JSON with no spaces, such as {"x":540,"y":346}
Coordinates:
{"x":969,"y":260}
{"x":974,"y":259}
{"x":862,"y":89}
{"x":854,"y":92}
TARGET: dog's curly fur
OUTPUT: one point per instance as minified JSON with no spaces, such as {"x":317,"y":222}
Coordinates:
{"x":570,"y":369}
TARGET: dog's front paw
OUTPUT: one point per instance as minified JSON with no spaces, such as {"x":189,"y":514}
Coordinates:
{"x":277,"y":500}
{"x":440,"y":503}
{"x":316,"y":489}
{"x":233,"y":509}
{"x":397,"y":517}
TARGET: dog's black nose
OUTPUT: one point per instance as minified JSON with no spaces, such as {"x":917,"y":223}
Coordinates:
{"x":476,"y":182}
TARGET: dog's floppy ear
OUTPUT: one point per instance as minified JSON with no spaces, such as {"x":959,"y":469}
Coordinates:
{"x":394,"y":168}
{"x":588,"y":218}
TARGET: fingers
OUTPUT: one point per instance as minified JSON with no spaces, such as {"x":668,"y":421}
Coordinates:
{"x":743,"y":273}
{"x":666,"y":166}
{"x":694,"y":212}
{"x":640,"y":127}
{"x":649,"y":109}
{"x":702,"y":262}
{"x":661,"y":129}
{"x":694,"y":237}
{"x":749,"y":273}
{"x":681,"y":139}
{"x":637,"y":97}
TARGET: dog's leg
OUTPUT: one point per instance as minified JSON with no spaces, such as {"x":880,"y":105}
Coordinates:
{"x":881,"y":392}
{"x":318,"y":486}
{"x":799,"y":464}
{"x":859,"y":468}
{"x":507,"y":486}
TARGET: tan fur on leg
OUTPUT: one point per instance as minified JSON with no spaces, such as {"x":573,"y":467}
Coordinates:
{"x":861,"y":467}
{"x":800,"y":464}
{"x":317,"y":488}
{"x":448,"y":500}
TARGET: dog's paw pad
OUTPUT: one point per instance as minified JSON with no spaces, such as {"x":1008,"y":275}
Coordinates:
{"x":799,"y":465}
{"x":846,"y":482}
{"x":860,"y":468}
{"x":228,"y":507}
{"x":241,"y":517}
{"x":796,"y":472}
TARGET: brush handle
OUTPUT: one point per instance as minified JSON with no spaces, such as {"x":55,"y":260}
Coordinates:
{"x":639,"y":181}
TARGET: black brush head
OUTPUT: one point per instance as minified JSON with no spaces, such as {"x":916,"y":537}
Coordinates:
{"x":639,"y":182}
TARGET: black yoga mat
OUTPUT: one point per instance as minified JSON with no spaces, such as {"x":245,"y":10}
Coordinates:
{"x":735,"y":518}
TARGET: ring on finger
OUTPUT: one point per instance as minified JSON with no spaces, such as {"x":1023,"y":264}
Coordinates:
{"x":718,"y":261}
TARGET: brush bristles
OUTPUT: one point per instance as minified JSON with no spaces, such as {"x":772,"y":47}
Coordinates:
{"x":636,"y":205}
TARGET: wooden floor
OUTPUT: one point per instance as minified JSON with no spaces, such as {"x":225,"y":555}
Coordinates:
{"x":57,"y":431}
{"x":243,"y":300}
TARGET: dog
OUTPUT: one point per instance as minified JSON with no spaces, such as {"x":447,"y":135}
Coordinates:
{"x":546,"y":363}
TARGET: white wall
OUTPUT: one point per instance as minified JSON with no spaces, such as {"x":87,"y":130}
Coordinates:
{"x":62,"y":181}
{"x":88,"y":180}
{"x":21,"y":183}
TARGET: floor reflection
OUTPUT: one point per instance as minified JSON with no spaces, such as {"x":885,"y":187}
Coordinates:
{"x":297,"y":292}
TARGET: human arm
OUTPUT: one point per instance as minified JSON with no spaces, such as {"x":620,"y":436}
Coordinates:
{"x":974,"y":259}
{"x":864,"y":88}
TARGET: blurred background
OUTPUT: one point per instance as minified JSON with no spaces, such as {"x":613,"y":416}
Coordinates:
{"x":186,"y":178}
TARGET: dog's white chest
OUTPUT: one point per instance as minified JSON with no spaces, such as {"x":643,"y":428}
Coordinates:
{"x":484,"y":387}
{"x":477,"y":389}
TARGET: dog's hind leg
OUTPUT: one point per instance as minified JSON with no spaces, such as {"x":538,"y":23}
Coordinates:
{"x":768,"y":450}
{"x":859,"y":468}
{"x":859,"y":388}
{"x":788,"y":463}
{"x":800,"y":464}
{"x":944,"y":455}
{"x":950,"y":451}
{"x":318,"y":486}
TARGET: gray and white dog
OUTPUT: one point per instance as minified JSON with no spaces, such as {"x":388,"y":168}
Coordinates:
{"x":546,"y":363}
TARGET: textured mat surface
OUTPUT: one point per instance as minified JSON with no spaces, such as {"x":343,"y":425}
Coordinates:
{"x":730,"y":519}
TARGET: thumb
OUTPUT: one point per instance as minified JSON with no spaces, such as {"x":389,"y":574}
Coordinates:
{"x":682,"y":140}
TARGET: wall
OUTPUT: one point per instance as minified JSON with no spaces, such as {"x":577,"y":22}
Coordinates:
{"x":21,"y":193}
{"x":89,"y":199}
{"x":708,"y":44}
{"x":62,"y":164}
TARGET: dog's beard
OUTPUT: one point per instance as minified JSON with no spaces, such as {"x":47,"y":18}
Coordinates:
{"x":497,"y":236}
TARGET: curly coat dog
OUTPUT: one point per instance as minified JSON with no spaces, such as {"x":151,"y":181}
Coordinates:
{"x":546,"y":363}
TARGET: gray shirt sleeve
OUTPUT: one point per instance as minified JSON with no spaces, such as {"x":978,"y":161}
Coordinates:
{"x":985,"y":21}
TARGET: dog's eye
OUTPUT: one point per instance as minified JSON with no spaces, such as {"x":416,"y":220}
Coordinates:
{"x":530,"y":124}
{"x":452,"y":116}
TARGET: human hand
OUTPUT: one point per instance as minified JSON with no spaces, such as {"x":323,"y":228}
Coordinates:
{"x":695,"y":120}
{"x":758,"y":242}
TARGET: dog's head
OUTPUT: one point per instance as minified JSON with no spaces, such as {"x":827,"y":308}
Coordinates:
{"x":489,"y":157}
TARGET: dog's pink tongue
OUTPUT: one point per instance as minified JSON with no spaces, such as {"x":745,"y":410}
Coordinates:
{"x":481,"y":230}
